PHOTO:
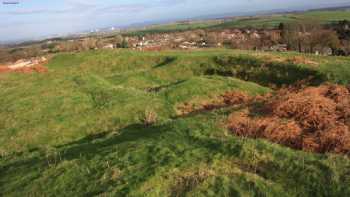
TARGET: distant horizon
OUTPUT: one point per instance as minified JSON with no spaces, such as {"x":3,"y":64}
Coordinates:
{"x":37,"y":20}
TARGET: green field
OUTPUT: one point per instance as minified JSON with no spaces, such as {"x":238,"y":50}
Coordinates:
{"x":274,"y":20}
{"x":175,"y":27}
{"x":268,"y":21}
{"x":77,"y":130}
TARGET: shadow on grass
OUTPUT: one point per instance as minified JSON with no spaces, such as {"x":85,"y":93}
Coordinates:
{"x":167,"y":60}
{"x":160,"y":88}
{"x":88,"y":147}
{"x":129,"y":143}
{"x":265,"y":73}
{"x":154,"y":147}
{"x":96,"y":144}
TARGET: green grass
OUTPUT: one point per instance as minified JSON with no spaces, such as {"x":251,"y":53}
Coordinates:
{"x":256,"y":22}
{"x":174,"y":27}
{"x":77,"y":130}
{"x":328,"y":16}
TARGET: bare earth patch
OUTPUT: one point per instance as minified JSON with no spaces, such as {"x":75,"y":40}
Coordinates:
{"x":4,"y":69}
{"x":39,"y":68}
{"x":36,"y":68}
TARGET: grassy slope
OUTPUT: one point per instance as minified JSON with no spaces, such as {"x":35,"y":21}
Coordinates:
{"x":76,"y":130}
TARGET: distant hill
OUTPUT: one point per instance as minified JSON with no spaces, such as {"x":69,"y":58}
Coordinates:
{"x":263,"y":20}
{"x":338,"y":8}
{"x":235,"y":15}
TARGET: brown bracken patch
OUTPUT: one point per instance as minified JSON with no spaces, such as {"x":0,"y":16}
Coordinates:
{"x":314,"y":119}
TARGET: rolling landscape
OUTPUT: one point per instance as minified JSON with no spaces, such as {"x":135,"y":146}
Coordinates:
{"x":240,"y":106}
{"x":260,"y":21}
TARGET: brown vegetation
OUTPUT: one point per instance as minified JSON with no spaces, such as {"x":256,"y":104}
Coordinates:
{"x":149,"y":118}
{"x":226,"y":99}
{"x":36,"y":68}
{"x":313,"y":119}
{"x":302,"y":60}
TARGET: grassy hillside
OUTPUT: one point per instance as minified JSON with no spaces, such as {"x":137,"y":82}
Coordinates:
{"x":78,"y":131}
{"x":269,"y":21}
{"x":274,"y":20}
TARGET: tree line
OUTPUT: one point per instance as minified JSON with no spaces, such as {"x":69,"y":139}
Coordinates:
{"x":310,"y":36}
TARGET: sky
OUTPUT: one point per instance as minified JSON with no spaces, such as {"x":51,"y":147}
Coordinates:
{"x":35,"y":19}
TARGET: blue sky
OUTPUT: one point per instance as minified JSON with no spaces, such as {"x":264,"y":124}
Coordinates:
{"x":31,"y":19}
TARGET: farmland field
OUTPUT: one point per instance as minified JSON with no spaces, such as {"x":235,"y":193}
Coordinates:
{"x":264,"y":21}
{"x":79,"y":129}
{"x":182,"y":26}
{"x":274,"y":20}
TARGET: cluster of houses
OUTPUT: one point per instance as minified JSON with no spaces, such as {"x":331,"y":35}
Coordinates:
{"x":202,"y":39}
{"x":266,"y":40}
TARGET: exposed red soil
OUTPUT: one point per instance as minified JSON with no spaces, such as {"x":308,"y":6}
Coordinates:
{"x":154,"y":48}
{"x":37,"y":68}
{"x":315,"y":119}
{"x":4,"y":69}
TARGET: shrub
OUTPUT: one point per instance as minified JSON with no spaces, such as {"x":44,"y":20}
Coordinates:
{"x":149,"y":118}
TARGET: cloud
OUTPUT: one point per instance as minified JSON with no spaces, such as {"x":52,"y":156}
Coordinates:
{"x":128,"y":8}
{"x":169,"y":2}
{"x":86,"y":4}
{"x":139,"y":7}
